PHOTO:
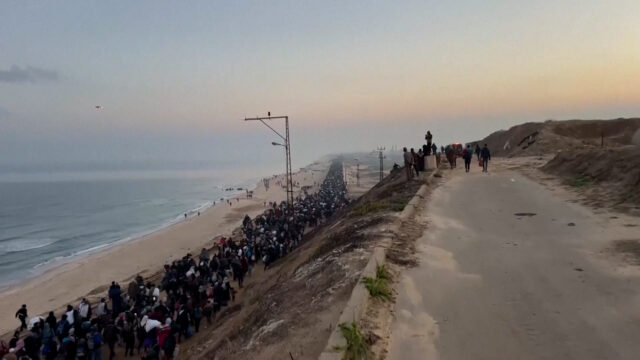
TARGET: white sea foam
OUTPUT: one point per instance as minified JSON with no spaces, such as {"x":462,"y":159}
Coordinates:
{"x":18,"y":245}
{"x":85,"y":252}
{"x":58,"y":256}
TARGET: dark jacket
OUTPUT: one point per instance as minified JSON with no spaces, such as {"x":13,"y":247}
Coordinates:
{"x":21,"y":313}
{"x":485,"y":154}
{"x":169,"y":345}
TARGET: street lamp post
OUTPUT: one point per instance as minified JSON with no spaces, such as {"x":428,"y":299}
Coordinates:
{"x":287,"y":147}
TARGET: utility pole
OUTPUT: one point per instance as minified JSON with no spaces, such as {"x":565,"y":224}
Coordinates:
{"x":344,"y":174}
{"x":380,"y":151}
{"x":287,"y":148}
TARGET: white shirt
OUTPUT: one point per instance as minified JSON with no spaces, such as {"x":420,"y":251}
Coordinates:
{"x":70,"y":318}
{"x":151,"y":324}
{"x":101,"y":309}
{"x":83,"y":309}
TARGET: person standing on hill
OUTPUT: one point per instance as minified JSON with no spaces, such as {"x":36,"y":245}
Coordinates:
{"x":416,"y":159}
{"x":408,"y":163}
{"x":21,"y":314}
{"x":116,"y":299}
{"x":467,"y":154}
{"x":486,"y":156}
{"x":478,"y":151}
{"x":429,"y":139}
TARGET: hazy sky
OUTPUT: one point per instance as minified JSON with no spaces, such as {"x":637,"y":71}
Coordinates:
{"x":176,"y":78}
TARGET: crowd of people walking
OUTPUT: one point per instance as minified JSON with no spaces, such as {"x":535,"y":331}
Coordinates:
{"x":414,"y":162}
{"x":148,"y":319}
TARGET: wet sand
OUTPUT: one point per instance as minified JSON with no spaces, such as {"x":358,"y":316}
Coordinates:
{"x":67,"y":283}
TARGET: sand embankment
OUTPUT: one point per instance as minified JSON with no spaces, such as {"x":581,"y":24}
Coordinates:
{"x":549,"y":137}
{"x":604,"y":176}
{"x":92,"y":274}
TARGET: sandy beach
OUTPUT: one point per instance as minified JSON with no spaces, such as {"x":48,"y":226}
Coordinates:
{"x":92,"y":274}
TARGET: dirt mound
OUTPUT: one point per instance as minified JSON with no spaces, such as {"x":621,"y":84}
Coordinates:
{"x":616,"y":171}
{"x":635,"y":140}
{"x":551,"y":136}
{"x":629,"y":249}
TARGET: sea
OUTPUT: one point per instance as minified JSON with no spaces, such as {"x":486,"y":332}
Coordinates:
{"x":50,"y":219}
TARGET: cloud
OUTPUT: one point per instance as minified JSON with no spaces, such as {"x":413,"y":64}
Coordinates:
{"x":32,"y":74}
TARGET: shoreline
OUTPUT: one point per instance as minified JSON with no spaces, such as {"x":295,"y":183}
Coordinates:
{"x":82,"y":276}
{"x":52,"y":264}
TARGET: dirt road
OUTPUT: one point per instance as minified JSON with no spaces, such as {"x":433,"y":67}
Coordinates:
{"x":510,"y":270}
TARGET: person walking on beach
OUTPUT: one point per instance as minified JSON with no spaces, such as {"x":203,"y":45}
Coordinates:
{"x":102,"y":308}
{"x":486,"y":156}
{"x":129,"y":338}
{"x":33,"y":343}
{"x":408,"y":163}
{"x":110,"y":335}
{"x":467,"y":154}
{"x":95,"y":340}
{"x":84,"y":309}
{"x":21,"y":314}
{"x":116,"y":299}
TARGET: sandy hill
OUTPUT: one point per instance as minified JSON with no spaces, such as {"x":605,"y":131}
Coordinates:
{"x":606,"y":176}
{"x":551,"y":136}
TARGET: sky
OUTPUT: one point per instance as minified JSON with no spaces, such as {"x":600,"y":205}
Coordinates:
{"x":176,"y":79}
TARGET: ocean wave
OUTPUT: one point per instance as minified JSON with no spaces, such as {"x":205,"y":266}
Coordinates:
{"x":201,"y":207}
{"x":18,"y":245}
{"x":75,"y":254}
{"x":80,"y":253}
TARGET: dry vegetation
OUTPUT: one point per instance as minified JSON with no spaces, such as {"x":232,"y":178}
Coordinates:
{"x":290,"y":310}
{"x":613,"y":173}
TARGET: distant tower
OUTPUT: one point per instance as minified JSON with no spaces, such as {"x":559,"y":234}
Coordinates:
{"x":380,"y":151}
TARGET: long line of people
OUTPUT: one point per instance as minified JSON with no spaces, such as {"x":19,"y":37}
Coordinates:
{"x":151,"y":319}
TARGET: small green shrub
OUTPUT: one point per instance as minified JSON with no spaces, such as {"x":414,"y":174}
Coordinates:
{"x":398,"y":204}
{"x":579,"y":181}
{"x":369,"y":208}
{"x":383,"y":273}
{"x":378,"y":288}
{"x":357,"y":347}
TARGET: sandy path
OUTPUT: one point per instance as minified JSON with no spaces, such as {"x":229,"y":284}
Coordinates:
{"x":92,"y":274}
{"x":511,"y":270}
